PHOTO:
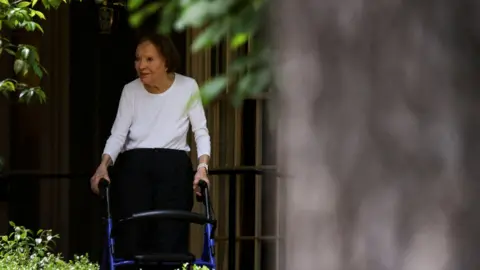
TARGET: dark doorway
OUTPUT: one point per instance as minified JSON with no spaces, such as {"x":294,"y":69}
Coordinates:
{"x":101,"y":64}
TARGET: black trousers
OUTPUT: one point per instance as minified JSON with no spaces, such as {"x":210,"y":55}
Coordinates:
{"x":152,"y":179}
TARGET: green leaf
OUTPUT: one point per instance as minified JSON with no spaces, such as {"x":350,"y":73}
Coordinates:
{"x":262,"y":82}
{"x":42,"y":98}
{"x":138,"y":17}
{"x":197,"y":13}
{"x":11,"y":52}
{"x":238,"y":40}
{"x":11,"y":223}
{"x":23,"y":4}
{"x":34,"y":2}
{"x":33,"y":57}
{"x":251,"y":84}
{"x":253,"y":60}
{"x":37,"y":26}
{"x":247,"y":20}
{"x":37,"y":70}
{"x":7,"y":86}
{"x":30,"y":26}
{"x":18,"y":65}
{"x":46,"y":4}
{"x":39,"y":13}
{"x":26,"y":95}
{"x":134,"y":4}
{"x":246,"y":82}
{"x":242,"y":63}
{"x":25,"y":53}
{"x":55,"y":3}
{"x":213,"y":88}
{"x":25,"y":69}
{"x":167,"y":17}
{"x":243,"y":86}
{"x":211,"y":35}
{"x":193,"y":16}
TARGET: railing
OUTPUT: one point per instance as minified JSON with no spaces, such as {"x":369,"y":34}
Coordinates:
{"x":232,"y":174}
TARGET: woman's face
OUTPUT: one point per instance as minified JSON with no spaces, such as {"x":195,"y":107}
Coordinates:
{"x":150,"y":65}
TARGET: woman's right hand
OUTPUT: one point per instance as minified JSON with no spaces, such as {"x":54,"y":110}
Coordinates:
{"x":100,"y":173}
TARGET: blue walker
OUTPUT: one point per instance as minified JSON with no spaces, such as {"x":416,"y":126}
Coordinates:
{"x":110,"y":262}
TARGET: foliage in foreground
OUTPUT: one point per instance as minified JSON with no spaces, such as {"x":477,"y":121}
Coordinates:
{"x":24,"y":250}
{"x":23,"y":15}
{"x":195,"y":267}
{"x":239,"y":22}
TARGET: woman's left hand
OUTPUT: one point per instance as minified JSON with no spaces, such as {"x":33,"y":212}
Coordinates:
{"x":200,"y":175}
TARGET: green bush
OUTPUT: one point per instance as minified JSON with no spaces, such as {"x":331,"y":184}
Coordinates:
{"x":195,"y":267}
{"x":24,"y":250}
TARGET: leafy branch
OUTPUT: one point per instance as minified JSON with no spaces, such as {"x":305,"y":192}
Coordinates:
{"x":21,"y":15}
{"x":236,"y":21}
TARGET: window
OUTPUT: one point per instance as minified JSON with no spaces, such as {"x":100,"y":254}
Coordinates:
{"x":240,"y":137}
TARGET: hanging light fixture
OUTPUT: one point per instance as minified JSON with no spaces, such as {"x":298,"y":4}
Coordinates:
{"x":106,"y":14}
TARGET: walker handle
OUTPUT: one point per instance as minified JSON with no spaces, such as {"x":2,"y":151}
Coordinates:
{"x":203,"y":189}
{"x":104,"y":190}
{"x":103,"y":186}
{"x":205,"y":198}
{"x":202,"y":184}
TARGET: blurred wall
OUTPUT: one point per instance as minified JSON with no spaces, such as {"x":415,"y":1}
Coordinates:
{"x":378,"y":133}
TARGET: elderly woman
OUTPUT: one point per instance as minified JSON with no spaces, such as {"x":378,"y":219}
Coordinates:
{"x":154,"y":170}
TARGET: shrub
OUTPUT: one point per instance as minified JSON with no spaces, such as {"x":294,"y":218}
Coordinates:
{"x":24,"y":250}
{"x":195,"y":267}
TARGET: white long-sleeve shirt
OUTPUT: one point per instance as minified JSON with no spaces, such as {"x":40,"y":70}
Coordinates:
{"x":146,"y":120}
